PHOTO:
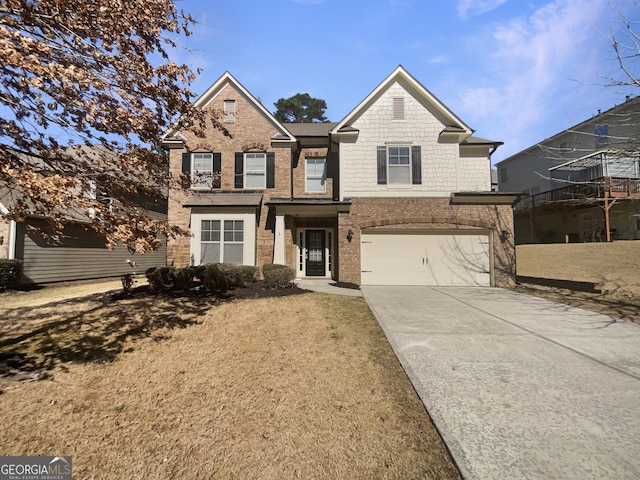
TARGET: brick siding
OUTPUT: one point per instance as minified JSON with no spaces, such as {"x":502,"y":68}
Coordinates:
{"x":425,"y":214}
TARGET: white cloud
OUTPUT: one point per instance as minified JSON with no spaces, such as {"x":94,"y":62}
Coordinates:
{"x":535,"y":60}
{"x":477,"y":7}
{"x":438,"y":59}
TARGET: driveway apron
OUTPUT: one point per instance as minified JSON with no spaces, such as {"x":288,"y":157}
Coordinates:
{"x":519,"y":387}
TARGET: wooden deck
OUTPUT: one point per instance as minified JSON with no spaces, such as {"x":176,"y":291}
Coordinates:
{"x":599,"y":189}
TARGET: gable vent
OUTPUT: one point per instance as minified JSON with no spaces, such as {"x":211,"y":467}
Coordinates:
{"x":398,"y":108}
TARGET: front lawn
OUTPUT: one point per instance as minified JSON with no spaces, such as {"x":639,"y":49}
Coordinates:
{"x":300,"y":386}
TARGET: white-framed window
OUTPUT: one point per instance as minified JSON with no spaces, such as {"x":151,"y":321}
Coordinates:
{"x":399,"y":165}
{"x":201,"y":170}
{"x":316,"y":175}
{"x":255,"y":170}
{"x":226,"y":238}
{"x":398,"y":108}
{"x":229,"y":111}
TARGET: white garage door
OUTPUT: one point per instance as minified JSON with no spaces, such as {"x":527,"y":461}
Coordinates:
{"x":408,"y":258}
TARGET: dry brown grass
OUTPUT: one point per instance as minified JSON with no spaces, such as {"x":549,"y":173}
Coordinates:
{"x":613,"y":267}
{"x":303,"y":386}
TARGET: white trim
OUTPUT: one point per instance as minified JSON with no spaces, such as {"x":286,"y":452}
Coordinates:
{"x":194,"y":173}
{"x":400,"y":74}
{"x":278,"y":242}
{"x":214,"y":90}
{"x":249,"y":240}
{"x":245,"y":171}
{"x":301,"y":252}
{"x":306,"y":175}
{"x":11,"y":245}
{"x":11,"y":252}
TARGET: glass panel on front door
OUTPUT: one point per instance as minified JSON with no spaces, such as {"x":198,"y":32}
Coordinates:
{"x":315,"y":260}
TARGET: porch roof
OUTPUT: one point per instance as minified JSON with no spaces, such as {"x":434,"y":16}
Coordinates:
{"x":307,"y":201}
{"x":224,"y":200}
{"x":309,"y":206}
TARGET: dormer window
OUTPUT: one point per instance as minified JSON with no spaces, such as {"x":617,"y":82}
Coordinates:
{"x":398,"y":108}
{"x":229,"y":111}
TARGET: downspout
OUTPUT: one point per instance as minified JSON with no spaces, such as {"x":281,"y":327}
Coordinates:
{"x":491,"y":152}
{"x":293,"y":154}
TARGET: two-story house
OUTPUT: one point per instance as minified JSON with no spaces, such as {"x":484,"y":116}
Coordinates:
{"x":397,"y":192}
{"x":583,"y":183}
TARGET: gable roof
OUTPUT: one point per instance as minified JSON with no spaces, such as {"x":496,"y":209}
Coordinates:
{"x":601,"y":116}
{"x":282,"y":135}
{"x":453,"y":122}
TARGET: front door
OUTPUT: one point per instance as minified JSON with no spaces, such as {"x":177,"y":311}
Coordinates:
{"x":315,"y":253}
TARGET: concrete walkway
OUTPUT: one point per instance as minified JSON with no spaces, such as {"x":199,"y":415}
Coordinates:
{"x":519,"y":387}
{"x":326,"y":286}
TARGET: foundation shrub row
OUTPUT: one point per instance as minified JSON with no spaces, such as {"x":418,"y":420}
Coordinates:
{"x":216,"y":277}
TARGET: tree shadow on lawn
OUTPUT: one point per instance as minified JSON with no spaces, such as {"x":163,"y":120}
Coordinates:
{"x":606,"y":303}
{"x":97,"y":328}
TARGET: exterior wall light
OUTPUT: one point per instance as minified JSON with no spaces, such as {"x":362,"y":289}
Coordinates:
{"x":349,"y":235}
{"x":506,"y":234}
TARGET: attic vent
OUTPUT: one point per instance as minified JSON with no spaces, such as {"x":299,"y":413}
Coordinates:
{"x":398,"y":108}
{"x":229,"y":111}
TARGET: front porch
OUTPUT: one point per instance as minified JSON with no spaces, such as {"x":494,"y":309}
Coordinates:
{"x":310,"y":227}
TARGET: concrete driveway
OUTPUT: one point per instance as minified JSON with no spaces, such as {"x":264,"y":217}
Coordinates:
{"x":519,"y":387}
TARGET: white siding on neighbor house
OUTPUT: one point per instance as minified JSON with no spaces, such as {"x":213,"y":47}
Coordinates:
{"x":377,"y":127}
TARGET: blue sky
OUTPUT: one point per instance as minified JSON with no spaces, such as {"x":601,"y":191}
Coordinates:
{"x":516,"y":71}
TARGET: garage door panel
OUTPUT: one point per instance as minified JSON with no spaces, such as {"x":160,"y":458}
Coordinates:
{"x":425,"y":259}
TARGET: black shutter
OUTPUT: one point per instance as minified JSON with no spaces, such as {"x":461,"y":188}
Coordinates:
{"x":382,"y":165}
{"x":416,"y":165}
{"x":186,"y":170}
{"x":217,"y":169}
{"x":271,"y":170}
{"x":239,"y":183}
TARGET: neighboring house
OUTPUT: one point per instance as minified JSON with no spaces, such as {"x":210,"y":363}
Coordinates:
{"x":397,"y":192}
{"x":583,"y":183}
{"x":81,"y":253}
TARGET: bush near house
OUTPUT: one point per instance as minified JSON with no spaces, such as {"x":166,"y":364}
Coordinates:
{"x":277,"y":276}
{"x":9,"y":274}
{"x":216,"y":277}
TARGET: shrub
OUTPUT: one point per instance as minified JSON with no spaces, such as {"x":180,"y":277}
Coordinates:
{"x":277,"y":276}
{"x":9,"y":274}
{"x":160,"y":279}
{"x":248,"y":274}
{"x":214,"y":277}
{"x":182,"y":278}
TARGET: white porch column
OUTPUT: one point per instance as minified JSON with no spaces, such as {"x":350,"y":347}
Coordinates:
{"x":278,"y":241}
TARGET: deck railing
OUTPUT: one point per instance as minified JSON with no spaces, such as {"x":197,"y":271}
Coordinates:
{"x":603,"y":187}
